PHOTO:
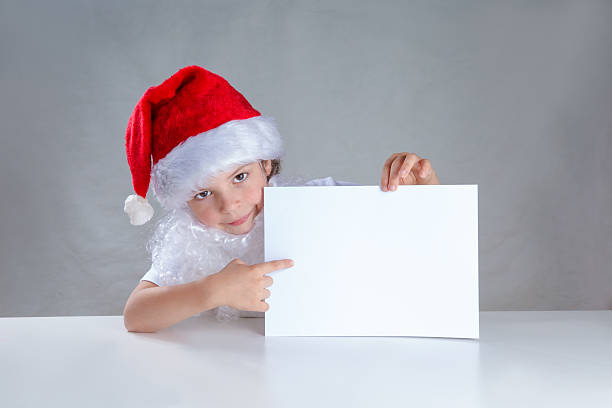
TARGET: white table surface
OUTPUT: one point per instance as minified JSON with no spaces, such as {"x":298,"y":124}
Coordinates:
{"x":523,"y":359}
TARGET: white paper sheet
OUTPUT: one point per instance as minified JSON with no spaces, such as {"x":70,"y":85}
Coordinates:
{"x":373,"y":263}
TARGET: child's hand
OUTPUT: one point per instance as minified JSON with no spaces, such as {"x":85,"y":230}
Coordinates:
{"x":407,"y":168}
{"x":243,"y":286}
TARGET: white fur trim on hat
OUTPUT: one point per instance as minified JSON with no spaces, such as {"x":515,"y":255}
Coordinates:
{"x":191,"y":164}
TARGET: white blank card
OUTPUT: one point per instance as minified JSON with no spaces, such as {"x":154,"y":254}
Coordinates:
{"x":373,"y":263}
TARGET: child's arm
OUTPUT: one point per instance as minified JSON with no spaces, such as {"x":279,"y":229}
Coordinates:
{"x":151,"y":307}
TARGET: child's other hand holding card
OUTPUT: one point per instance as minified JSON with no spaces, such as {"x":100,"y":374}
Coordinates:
{"x":407,"y":169}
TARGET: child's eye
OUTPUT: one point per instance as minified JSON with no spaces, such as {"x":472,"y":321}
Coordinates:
{"x":203,"y":194}
{"x":200,"y":196}
{"x":243,"y":178}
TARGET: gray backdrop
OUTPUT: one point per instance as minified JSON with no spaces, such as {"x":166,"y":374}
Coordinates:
{"x":515,"y":96}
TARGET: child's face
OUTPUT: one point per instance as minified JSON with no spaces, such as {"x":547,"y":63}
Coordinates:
{"x":232,"y":199}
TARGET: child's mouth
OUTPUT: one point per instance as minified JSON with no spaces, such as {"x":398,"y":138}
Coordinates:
{"x":241,"y":220}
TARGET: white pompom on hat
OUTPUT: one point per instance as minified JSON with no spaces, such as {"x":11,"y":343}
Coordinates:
{"x":187,"y":130}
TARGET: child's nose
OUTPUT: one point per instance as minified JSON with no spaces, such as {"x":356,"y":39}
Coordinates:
{"x":229,"y":204}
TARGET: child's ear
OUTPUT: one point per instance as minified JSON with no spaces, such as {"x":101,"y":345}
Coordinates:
{"x":267,"y":166}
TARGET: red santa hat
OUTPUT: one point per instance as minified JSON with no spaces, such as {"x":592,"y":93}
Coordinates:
{"x":187,"y":130}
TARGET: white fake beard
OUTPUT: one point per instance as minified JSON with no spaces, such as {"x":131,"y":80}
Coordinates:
{"x":184,"y":250}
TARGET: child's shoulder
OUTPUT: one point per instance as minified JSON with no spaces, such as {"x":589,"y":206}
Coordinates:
{"x":323,"y":181}
{"x":280,"y":181}
{"x":329,"y":181}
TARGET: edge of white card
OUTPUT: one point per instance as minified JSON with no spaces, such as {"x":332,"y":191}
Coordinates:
{"x":466,"y":323}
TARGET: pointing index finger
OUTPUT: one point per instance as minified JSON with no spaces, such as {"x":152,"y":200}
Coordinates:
{"x":271,"y":266}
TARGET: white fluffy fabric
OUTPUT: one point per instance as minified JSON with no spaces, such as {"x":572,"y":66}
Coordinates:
{"x":138,"y":208}
{"x":192,"y":164}
{"x":184,"y":250}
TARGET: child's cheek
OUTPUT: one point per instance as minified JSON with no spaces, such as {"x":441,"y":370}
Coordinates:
{"x":208,"y":217}
{"x":256,"y":195}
